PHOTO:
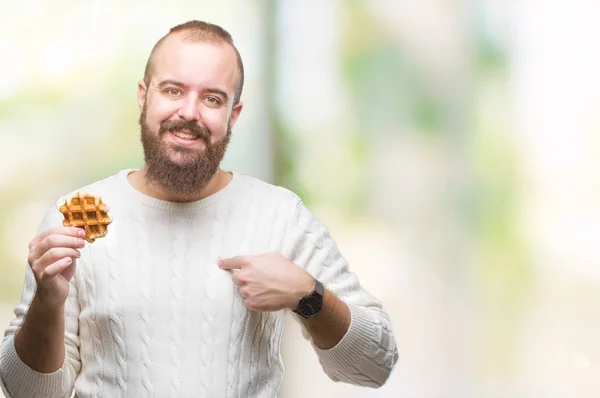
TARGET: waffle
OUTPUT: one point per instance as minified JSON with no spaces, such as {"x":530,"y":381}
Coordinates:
{"x":88,"y":212}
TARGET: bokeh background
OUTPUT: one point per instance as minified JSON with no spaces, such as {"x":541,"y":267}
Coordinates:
{"x":451,"y":146}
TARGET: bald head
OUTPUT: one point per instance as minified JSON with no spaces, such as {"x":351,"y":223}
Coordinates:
{"x":198,"y":31}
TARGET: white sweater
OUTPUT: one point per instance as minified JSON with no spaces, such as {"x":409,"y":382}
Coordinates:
{"x":150,"y":314}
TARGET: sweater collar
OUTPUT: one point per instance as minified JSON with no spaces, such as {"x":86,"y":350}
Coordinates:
{"x":177,"y":206}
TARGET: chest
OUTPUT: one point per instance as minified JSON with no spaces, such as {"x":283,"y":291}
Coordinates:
{"x":162,"y":267}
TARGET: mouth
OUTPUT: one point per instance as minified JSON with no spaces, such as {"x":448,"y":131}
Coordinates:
{"x":185,"y":135}
{"x":186,"y":138}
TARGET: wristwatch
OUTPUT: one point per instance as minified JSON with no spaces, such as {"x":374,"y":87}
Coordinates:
{"x":311,"y":304}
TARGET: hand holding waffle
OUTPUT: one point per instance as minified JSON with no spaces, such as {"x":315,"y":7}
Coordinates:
{"x":53,"y":253}
{"x":52,"y":256}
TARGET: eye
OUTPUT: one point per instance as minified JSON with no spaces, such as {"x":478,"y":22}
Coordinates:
{"x":213,"y":101}
{"x":172,"y":92}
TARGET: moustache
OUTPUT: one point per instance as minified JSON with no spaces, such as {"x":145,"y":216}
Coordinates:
{"x":191,"y":128}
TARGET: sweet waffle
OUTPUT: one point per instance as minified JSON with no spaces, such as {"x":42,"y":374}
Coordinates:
{"x":88,"y":212}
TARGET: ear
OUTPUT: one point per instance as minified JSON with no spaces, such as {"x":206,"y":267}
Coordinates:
{"x":142,"y":90}
{"x":235,"y":113}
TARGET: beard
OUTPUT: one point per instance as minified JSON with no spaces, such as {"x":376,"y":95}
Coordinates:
{"x":194,"y":169}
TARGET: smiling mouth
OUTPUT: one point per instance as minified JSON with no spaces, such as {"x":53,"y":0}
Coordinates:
{"x":185,"y":136}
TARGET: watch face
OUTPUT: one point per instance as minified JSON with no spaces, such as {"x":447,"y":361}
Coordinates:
{"x":311,"y":305}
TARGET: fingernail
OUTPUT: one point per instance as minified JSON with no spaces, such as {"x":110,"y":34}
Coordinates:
{"x":81,"y":233}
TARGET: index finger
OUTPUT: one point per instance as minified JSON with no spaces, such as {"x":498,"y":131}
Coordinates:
{"x":68,"y":231}
{"x":236,"y":262}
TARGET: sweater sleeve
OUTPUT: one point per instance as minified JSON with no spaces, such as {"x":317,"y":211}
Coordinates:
{"x":367,"y":353}
{"x":18,"y":380}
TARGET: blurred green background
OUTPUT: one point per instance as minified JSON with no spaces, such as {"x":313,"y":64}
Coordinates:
{"x":450,"y":146}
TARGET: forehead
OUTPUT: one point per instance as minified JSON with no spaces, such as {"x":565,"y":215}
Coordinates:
{"x":198,"y":64}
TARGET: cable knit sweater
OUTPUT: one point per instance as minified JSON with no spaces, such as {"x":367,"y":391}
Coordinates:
{"x":151,"y":314}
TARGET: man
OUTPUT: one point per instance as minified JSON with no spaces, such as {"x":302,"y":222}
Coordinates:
{"x":187,"y":293}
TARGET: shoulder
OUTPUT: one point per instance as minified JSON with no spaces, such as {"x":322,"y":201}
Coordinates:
{"x":106,"y":188}
{"x":271,"y":196}
{"x":267,"y":192}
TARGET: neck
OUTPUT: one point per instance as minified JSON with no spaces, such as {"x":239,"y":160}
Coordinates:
{"x":139,"y":181}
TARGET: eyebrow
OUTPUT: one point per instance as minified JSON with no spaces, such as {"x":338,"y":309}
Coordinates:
{"x":170,"y":82}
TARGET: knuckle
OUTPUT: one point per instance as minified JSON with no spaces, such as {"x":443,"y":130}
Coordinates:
{"x":52,"y":240}
{"x":53,"y":253}
{"x":246,"y":262}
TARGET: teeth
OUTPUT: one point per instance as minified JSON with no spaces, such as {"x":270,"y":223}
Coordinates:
{"x":184,"y":135}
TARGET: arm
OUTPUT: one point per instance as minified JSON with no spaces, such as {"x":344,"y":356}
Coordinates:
{"x":39,"y":355}
{"x":352,"y":335}
{"x":327,"y":328}
{"x":366,"y":352}
{"x":40,"y":340}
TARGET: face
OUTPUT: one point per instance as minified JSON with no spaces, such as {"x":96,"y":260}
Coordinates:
{"x":187,"y":113}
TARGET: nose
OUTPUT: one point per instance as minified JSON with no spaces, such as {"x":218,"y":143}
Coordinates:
{"x":189,"y":110}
